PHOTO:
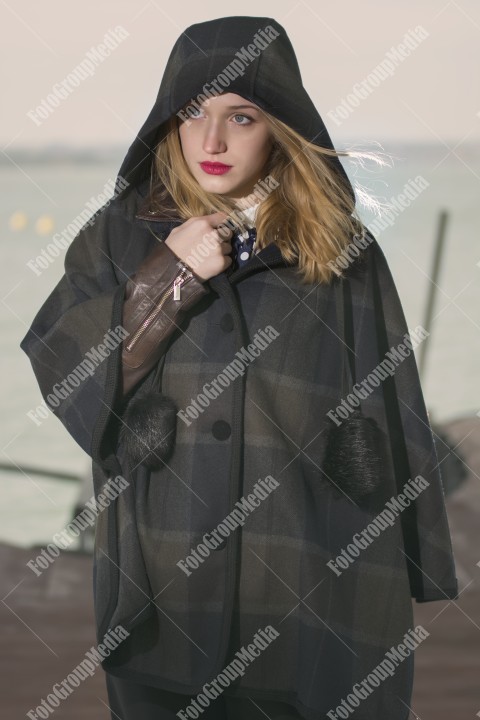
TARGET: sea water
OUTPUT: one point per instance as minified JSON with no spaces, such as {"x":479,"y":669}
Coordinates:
{"x":42,"y":198}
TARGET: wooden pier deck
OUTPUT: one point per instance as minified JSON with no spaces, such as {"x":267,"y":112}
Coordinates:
{"x":47,"y":622}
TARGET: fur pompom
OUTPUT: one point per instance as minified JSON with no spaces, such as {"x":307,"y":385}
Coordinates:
{"x":148,"y":430}
{"x":353,"y":458}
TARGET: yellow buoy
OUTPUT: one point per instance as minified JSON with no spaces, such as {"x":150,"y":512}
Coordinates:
{"x":17,"y":221}
{"x":44,"y":225}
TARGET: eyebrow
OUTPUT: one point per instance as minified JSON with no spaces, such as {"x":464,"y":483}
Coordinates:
{"x":239,"y":107}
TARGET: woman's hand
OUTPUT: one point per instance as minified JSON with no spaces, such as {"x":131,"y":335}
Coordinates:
{"x":203,"y":243}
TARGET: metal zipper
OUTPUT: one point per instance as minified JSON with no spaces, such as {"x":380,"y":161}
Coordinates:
{"x":183,"y":277}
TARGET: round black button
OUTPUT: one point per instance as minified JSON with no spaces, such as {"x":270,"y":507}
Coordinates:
{"x":221,"y":545}
{"x":221,"y":430}
{"x":226,"y":322}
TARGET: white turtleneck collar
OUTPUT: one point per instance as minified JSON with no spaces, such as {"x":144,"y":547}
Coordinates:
{"x":249,"y":215}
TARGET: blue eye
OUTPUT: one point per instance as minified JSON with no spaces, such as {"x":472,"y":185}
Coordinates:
{"x":195,"y":113}
{"x":243,"y":116}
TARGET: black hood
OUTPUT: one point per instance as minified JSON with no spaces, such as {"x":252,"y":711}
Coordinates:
{"x":250,"y":56}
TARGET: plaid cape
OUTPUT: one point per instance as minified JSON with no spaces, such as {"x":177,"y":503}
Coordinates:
{"x":267,"y":421}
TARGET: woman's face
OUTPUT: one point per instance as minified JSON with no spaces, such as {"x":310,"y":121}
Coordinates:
{"x":223,"y":132}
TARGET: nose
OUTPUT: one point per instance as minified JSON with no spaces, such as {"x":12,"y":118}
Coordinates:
{"x":214,"y":141}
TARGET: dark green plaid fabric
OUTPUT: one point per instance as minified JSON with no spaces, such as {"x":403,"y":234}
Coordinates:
{"x":333,"y":630}
{"x":272,"y":420}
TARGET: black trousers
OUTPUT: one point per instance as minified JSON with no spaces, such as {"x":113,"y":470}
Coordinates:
{"x":132,"y":701}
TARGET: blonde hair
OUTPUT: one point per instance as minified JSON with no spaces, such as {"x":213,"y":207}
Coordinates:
{"x":310,"y":215}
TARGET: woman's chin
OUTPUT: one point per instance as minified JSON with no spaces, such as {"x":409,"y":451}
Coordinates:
{"x":234,"y":191}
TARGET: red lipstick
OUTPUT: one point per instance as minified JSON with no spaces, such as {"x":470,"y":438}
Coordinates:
{"x":214,"y":168}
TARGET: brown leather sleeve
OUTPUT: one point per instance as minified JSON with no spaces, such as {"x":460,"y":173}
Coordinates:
{"x":144,"y":291}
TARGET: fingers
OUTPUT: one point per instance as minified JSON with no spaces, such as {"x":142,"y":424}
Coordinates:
{"x":220,"y":232}
{"x":221,"y":224}
{"x":225,"y":247}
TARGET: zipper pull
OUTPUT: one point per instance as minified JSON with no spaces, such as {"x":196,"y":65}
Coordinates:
{"x":179,"y":280}
{"x":176,"y":288}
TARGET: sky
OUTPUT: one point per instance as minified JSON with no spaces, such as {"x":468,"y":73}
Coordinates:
{"x":432,"y":94}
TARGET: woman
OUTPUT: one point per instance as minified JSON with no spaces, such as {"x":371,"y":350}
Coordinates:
{"x":281,"y":500}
